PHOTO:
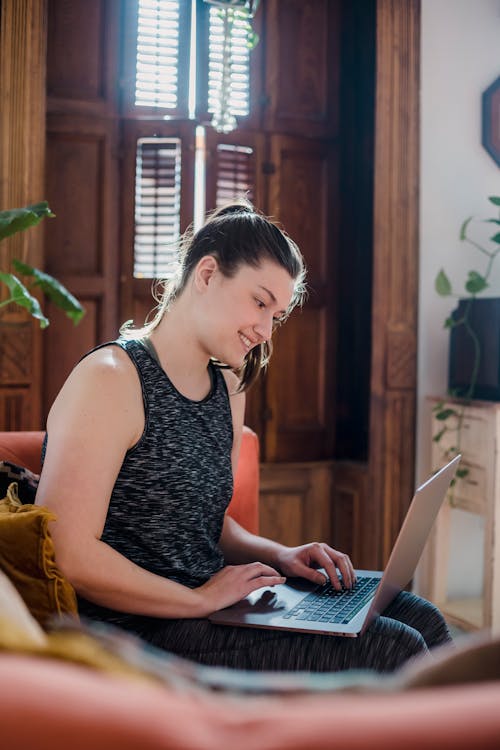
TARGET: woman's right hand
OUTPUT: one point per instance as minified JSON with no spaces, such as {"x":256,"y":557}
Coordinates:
{"x":235,"y":582}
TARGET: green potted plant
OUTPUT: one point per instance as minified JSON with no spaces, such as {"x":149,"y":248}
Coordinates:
{"x":466,"y":325}
{"x":17,"y":220}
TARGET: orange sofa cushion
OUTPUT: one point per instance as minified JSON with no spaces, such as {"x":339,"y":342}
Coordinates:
{"x":24,"y":449}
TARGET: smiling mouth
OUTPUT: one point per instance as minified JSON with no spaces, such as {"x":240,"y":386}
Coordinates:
{"x":246,"y":342}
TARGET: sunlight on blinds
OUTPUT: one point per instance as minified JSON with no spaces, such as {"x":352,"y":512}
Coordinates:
{"x":157,"y":59}
{"x":232,"y":71}
{"x":235,"y":173}
{"x":157,"y":206}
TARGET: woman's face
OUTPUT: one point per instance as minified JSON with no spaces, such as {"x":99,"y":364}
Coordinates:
{"x":238,"y":313}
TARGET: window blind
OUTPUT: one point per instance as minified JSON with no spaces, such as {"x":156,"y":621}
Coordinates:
{"x":235,"y":173}
{"x":238,"y":63}
{"x":157,"y":53}
{"x":157,"y":206}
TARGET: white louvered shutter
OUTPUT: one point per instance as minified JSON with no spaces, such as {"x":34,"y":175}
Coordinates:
{"x":157,"y":206}
{"x":235,"y":173}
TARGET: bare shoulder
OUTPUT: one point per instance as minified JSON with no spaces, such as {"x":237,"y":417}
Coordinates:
{"x":104,"y":384}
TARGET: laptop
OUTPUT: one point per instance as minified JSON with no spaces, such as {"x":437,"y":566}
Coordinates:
{"x":303,"y":606}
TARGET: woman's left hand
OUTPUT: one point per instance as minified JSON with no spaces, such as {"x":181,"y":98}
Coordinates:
{"x":305,"y":560}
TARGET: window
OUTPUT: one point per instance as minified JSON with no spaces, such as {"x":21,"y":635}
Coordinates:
{"x":235,"y":173}
{"x":157,"y":205}
{"x":157,"y":54}
{"x":228,"y":64}
{"x":187,"y":54}
{"x":169,"y":68}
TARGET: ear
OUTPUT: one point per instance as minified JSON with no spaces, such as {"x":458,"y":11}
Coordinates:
{"x":205,"y":270}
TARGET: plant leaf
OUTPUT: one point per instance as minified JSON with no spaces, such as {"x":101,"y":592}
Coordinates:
{"x":492,"y":221}
{"x":461,"y":473}
{"x":252,"y":40}
{"x":463,"y":228}
{"x":18,"y":219}
{"x":446,"y":414}
{"x":475,"y":283}
{"x":496,"y":237}
{"x":442,"y":284}
{"x":495,"y":199}
{"x":20,"y":296}
{"x":54,"y":290}
{"x":450,"y":322}
{"x":437,"y":437}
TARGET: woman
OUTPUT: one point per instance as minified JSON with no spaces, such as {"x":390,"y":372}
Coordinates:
{"x":142,"y":446}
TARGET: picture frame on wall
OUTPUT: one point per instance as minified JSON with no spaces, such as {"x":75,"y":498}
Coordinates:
{"x":491,"y":120}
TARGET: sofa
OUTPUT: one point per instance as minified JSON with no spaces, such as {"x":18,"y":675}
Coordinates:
{"x":448,"y":700}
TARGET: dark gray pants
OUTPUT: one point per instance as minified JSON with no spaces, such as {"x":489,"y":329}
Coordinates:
{"x":409,"y":626}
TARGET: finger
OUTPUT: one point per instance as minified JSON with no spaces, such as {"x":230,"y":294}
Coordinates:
{"x":344,"y":564}
{"x":256,"y":569}
{"x":262,"y":582}
{"x":310,"y":573}
{"x":332,"y":572}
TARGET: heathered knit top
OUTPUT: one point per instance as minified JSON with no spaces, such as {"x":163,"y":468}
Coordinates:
{"x":168,"y":502}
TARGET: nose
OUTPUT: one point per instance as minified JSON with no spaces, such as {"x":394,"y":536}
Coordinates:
{"x":264,"y":329}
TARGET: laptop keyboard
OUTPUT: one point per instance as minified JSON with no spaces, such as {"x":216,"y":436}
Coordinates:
{"x":326,"y":604}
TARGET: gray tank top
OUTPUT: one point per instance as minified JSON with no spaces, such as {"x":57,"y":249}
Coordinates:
{"x":168,"y":502}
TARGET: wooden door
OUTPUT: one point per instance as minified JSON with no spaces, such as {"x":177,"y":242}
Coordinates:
{"x":299,"y":383}
{"x":81,"y":244}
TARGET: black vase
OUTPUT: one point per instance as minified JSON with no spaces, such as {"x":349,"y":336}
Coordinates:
{"x":483,"y":316}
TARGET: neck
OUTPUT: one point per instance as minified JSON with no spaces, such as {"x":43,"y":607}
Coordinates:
{"x":180,"y":355}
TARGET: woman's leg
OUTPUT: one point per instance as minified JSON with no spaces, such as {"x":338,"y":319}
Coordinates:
{"x":385,"y":646}
{"x":421,"y":615}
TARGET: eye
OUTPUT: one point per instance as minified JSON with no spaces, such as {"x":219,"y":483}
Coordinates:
{"x":260,"y":303}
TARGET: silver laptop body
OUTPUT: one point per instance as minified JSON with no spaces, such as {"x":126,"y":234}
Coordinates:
{"x":271,"y":607}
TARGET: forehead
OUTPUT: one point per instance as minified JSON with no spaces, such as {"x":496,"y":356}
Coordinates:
{"x":268,"y":278}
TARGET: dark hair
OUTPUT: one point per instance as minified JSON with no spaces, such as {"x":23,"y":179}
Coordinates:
{"x":236,"y":235}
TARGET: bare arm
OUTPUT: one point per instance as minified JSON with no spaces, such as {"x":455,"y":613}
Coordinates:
{"x":96,"y":418}
{"x":240,"y":547}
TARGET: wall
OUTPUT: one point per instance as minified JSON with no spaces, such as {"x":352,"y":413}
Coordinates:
{"x":460,"y":58}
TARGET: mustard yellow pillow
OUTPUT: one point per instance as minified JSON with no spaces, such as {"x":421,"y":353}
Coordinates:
{"x":27,"y":558}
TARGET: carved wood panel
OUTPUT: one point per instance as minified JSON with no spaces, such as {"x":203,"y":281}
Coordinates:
{"x":395,"y":276}
{"x":302,"y":89}
{"x":350,"y":488}
{"x":81,"y":65}
{"x":82,"y":243}
{"x":295,"y":505}
{"x":300,"y":376}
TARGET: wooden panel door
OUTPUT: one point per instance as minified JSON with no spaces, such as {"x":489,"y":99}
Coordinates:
{"x":299,"y":383}
{"x":81,"y":244}
{"x":295,"y":502}
{"x":302,"y":67}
